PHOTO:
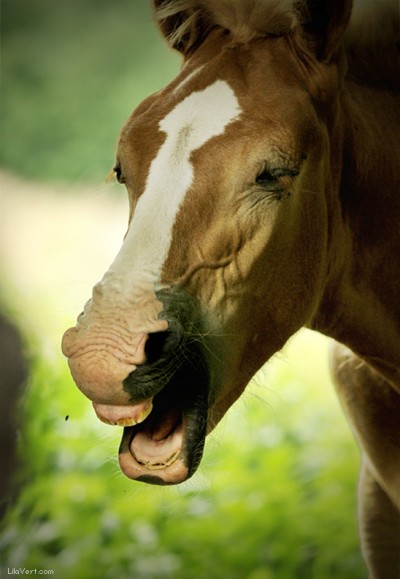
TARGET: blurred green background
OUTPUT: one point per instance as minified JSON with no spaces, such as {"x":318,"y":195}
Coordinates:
{"x":275,"y":495}
{"x":72,"y":72}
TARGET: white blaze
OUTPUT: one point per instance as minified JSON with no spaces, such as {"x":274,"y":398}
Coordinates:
{"x":194,"y":121}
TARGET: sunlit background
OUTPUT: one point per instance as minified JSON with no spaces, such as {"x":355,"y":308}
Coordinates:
{"x":275,"y":497}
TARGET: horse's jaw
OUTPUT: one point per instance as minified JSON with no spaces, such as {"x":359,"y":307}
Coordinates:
{"x":166,"y":447}
{"x":156,"y":461}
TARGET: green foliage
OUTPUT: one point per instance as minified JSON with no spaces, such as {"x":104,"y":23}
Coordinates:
{"x":274,"y":497}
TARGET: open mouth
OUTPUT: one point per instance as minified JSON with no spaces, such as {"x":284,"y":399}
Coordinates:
{"x":163,"y":437}
{"x":166,"y":424}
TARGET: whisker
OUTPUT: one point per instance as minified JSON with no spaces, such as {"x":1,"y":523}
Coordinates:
{"x":309,"y":191}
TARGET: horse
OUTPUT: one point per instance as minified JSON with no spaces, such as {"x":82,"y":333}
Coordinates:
{"x":263,"y":190}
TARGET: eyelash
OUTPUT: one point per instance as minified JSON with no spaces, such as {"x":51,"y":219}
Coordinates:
{"x":118,"y":174}
{"x":269,"y":179}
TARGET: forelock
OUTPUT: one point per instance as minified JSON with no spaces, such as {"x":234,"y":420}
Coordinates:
{"x":245,"y":19}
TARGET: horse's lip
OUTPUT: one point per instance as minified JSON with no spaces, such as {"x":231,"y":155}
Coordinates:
{"x":184,"y":460}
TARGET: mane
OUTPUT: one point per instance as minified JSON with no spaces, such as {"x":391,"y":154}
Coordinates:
{"x":372,"y":43}
{"x":245,"y":19}
{"x":371,"y":40}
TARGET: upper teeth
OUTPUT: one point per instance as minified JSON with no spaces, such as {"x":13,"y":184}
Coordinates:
{"x":129,"y":421}
{"x":108,"y":414}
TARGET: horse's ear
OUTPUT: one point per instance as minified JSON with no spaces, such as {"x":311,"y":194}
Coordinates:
{"x":182,"y":23}
{"x":323,"y":23}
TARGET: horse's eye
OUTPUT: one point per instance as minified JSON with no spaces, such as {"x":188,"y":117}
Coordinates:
{"x":268,"y":180}
{"x":118,"y":174}
{"x":275,"y":179}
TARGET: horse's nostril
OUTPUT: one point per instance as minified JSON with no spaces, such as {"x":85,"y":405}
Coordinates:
{"x":173,"y":356}
{"x":160,"y":354}
{"x":158,"y":345}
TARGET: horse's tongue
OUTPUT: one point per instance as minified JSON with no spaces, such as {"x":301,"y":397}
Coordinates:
{"x":123,"y":415}
{"x":160,"y":430}
{"x":157,"y":453}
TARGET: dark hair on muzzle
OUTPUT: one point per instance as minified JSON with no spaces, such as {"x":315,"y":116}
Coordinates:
{"x":175,"y":356}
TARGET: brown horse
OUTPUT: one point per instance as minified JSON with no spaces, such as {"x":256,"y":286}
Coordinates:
{"x":263,"y":187}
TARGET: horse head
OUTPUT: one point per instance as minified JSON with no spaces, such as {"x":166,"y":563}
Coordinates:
{"x":232,"y":172}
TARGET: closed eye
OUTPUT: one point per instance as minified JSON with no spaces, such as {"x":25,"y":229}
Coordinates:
{"x":275,"y":180}
{"x":118,"y":174}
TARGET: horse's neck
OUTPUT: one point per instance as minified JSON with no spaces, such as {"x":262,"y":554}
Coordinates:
{"x":371,"y":120}
{"x":369,"y":194}
{"x":361,"y":305}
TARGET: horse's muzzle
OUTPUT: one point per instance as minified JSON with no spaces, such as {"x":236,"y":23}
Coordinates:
{"x":167,"y":446}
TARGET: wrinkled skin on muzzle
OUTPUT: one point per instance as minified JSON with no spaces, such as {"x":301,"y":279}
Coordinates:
{"x":109,"y":340}
{"x":152,"y":379}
